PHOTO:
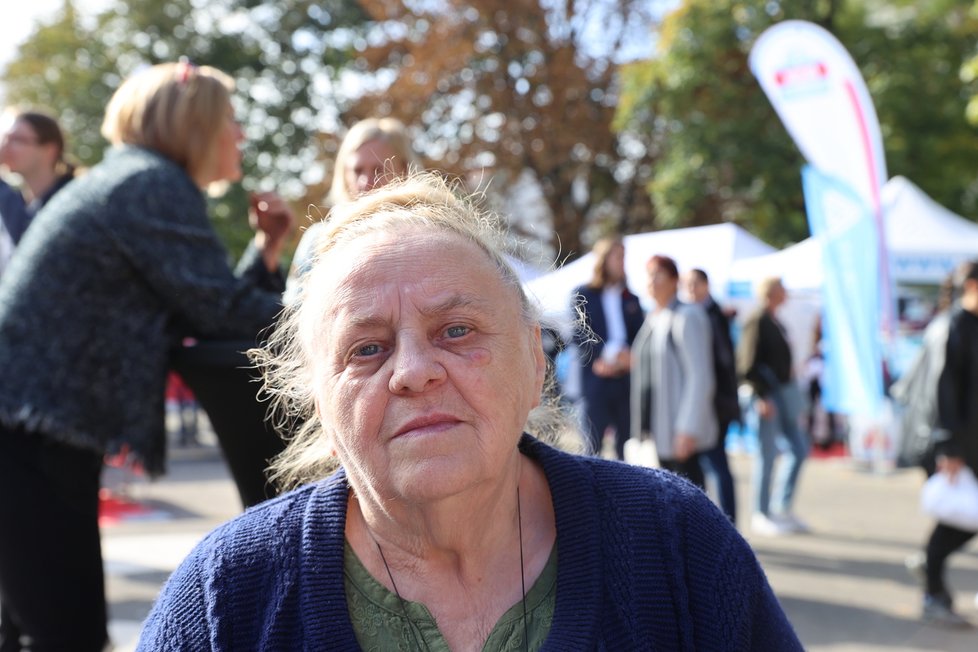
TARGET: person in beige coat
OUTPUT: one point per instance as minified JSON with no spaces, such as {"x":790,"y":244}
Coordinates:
{"x":672,"y":376}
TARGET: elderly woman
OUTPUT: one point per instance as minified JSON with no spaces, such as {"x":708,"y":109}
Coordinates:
{"x":115,"y":267}
{"x":374,"y":151}
{"x":416,"y":360}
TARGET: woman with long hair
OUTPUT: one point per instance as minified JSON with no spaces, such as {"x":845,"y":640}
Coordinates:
{"x":374,"y":152}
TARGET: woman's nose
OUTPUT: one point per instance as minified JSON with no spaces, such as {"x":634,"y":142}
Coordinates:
{"x":416,"y":367}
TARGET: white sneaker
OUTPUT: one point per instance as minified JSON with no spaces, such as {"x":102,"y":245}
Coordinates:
{"x":792,"y":523}
{"x":763,"y":525}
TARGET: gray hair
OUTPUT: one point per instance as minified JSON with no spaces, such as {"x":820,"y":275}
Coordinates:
{"x":421,"y":200}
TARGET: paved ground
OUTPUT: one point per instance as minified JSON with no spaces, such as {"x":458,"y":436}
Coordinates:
{"x":843,"y":586}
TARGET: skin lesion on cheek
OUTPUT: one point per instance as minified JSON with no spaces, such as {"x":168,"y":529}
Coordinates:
{"x":479,"y":356}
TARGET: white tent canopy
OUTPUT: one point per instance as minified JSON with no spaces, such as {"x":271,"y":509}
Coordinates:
{"x":711,"y":248}
{"x":925,"y":242}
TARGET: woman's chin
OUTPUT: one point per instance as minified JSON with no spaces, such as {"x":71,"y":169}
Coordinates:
{"x":434,"y":478}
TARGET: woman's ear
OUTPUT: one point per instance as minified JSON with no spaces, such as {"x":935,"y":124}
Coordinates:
{"x":327,"y":433}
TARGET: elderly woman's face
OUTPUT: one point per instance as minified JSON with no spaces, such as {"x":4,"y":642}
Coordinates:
{"x":425,"y":370}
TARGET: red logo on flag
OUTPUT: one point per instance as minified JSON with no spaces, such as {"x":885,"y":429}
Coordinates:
{"x":802,"y":74}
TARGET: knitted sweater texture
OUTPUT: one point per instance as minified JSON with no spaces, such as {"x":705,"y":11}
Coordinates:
{"x":113,"y":268}
{"x":646,"y":563}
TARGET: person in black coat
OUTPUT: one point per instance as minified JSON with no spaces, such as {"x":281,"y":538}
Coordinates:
{"x":726,"y":404}
{"x":956,"y":444}
{"x":611,"y":318}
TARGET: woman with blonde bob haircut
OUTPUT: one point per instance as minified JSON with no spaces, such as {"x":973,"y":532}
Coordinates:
{"x":447,"y":525}
{"x":175,"y":109}
{"x":119,"y":267}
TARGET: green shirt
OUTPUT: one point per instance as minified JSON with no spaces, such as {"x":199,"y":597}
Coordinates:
{"x":380,"y":624}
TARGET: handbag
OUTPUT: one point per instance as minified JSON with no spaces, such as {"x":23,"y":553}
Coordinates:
{"x":953,"y":503}
{"x":641,"y":452}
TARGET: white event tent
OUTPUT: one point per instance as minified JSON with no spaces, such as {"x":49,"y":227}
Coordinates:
{"x":712,"y":248}
{"x":925,"y":241}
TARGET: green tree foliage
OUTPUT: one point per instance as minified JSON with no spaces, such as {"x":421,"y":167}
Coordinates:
{"x":912,"y":60}
{"x":284,"y":55}
{"x":721,"y":153}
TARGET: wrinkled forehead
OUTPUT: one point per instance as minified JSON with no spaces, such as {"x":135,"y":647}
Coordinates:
{"x":427,"y":265}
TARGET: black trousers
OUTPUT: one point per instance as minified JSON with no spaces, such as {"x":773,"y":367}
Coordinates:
{"x":607,"y":403}
{"x":227,"y":390}
{"x":944,"y":540}
{"x":52,"y":587}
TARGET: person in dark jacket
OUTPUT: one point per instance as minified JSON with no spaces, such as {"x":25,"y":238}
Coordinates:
{"x":446,"y":526}
{"x":34,"y":148}
{"x":612,"y":317}
{"x":112,"y":270}
{"x":726,"y":402}
{"x":764,"y":361}
{"x":956,"y":444}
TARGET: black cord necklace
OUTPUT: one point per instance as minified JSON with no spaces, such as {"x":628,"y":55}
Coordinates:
{"x":414,"y":628}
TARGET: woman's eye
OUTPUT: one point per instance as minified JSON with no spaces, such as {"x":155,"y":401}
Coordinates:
{"x":367,"y":350}
{"x":457,"y":331}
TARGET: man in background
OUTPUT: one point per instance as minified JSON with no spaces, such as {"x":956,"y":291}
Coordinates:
{"x":726,"y":403}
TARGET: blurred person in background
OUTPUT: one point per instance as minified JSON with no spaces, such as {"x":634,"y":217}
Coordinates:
{"x":764,"y":361}
{"x":955,"y":441}
{"x":115,"y":269}
{"x":611,"y":317}
{"x":33,"y":147}
{"x":672,"y":376}
{"x":375,"y":151}
{"x":726,"y":402}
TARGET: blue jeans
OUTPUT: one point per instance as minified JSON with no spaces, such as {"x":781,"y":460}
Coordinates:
{"x":788,"y":402}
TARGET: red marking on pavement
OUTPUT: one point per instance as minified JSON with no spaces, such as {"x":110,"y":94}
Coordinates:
{"x":114,"y":509}
{"x":835,"y":449}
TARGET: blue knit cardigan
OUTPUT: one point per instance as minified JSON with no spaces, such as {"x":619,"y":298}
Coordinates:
{"x":646,"y":563}
{"x":112,"y":269}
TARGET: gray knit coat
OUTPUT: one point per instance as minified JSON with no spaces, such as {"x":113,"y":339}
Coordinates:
{"x":116,"y":266}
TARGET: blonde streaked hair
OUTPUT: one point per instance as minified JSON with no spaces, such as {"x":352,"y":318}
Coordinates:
{"x":176,"y":109}
{"x":424,"y":201}
{"x":601,"y":250}
{"x":391,"y":132}
{"x":766,"y":286}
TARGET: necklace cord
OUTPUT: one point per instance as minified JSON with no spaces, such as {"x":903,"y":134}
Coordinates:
{"x":414,"y":627}
{"x":519,"y":525}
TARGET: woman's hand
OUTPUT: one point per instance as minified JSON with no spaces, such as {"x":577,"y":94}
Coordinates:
{"x":949,"y":465}
{"x":683,"y":446}
{"x":273,"y":221}
{"x":766,"y":408}
{"x":620,"y":365}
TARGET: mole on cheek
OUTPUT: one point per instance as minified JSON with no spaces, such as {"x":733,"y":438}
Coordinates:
{"x":480,"y":356}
